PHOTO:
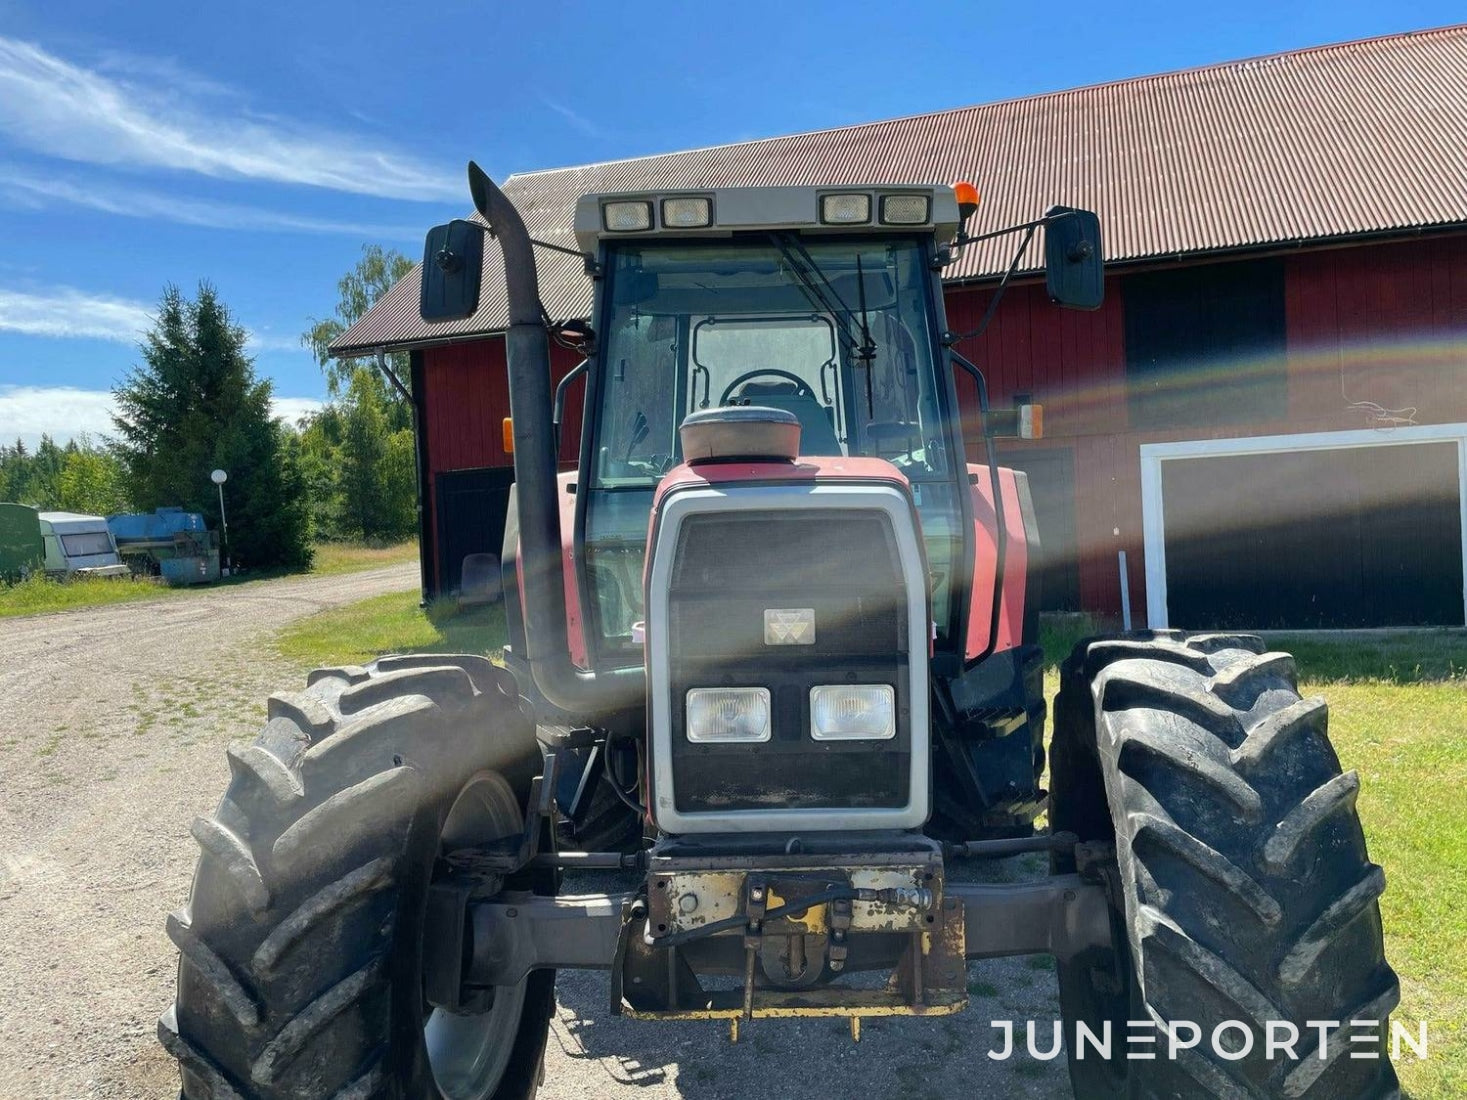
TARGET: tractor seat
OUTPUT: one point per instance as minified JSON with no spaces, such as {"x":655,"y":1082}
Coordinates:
{"x":817,"y":435}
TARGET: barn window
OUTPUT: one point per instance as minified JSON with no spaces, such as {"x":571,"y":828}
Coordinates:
{"x":1205,"y":345}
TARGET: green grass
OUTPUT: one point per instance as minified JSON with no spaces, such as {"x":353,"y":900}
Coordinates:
{"x":1398,"y":706}
{"x":393,"y":623}
{"x":1409,"y":743}
{"x":1060,"y":633}
{"x":1394,"y":657}
{"x":352,"y":557}
{"x":39,"y":594}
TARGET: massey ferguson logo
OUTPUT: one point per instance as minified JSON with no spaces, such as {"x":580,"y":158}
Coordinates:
{"x":789,"y":626}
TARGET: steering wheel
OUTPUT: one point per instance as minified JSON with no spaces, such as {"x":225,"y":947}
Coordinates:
{"x":802,"y":388}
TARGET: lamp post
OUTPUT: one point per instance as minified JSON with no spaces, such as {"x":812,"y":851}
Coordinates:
{"x":219,"y":477}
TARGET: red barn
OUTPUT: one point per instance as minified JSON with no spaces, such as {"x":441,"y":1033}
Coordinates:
{"x":1268,"y":416}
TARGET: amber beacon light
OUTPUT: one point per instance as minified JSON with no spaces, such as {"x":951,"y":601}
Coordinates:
{"x":967,"y":196}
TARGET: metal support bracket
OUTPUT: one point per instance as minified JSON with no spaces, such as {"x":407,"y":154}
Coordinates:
{"x":633,"y":916}
{"x":443,"y":959}
{"x":1061,"y":915}
{"x":756,"y":901}
{"x":515,"y":854}
{"x":840,"y":926}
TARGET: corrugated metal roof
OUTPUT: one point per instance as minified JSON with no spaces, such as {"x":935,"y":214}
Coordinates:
{"x":1336,"y":141}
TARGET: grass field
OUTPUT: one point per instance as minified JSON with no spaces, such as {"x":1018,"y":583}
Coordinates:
{"x":392,"y":623}
{"x":1409,"y":744}
{"x":1398,"y":715}
{"x":39,"y":594}
{"x":353,"y":557}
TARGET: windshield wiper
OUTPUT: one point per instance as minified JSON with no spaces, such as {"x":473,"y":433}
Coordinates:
{"x":822,"y":291}
{"x":868,"y":348}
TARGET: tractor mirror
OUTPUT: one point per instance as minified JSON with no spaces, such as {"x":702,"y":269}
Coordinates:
{"x":1073,"y":264}
{"x":452,"y":262}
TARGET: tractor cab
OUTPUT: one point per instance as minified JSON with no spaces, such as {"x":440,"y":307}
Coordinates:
{"x":823,"y":304}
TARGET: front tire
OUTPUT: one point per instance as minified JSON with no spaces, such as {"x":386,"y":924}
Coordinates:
{"x":1241,"y":889}
{"x":302,"y":942}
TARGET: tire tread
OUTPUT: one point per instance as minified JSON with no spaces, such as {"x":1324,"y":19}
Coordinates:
{"x":284,"y":942}
{"x":1226,"y":802}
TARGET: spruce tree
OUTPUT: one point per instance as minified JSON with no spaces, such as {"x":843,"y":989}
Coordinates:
{"x":195,"y":405}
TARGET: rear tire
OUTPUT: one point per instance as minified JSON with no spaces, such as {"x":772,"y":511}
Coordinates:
{"x":1241,"y":889}
{"x":301,"y":946}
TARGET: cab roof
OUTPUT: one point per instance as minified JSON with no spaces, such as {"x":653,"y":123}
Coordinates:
{"x":806,"y":209}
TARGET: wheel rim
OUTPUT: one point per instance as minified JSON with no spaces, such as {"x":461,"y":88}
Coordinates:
{"x":469,"y":1052}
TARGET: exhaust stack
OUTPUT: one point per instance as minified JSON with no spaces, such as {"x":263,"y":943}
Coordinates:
{"x":584,"y":695}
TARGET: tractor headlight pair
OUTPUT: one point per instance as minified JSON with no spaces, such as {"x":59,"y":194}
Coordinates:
{"x":838,"y":712}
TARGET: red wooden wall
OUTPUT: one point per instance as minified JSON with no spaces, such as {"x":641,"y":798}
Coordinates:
{"x":1385,"y":323}
{"x":465,"y":400}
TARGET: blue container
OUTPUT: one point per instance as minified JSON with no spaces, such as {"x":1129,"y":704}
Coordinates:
{"x":170,"y":542}
{"x":154,"y":526}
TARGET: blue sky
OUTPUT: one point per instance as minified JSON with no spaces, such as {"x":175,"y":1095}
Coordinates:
{"x":259,"y":145}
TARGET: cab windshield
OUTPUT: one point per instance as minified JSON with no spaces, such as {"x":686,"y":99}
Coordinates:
{"x":836,"y":332}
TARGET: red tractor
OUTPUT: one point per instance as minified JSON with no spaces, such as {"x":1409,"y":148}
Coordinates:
{"x":773,"y":657}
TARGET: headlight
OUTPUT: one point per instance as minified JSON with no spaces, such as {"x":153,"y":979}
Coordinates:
{"x":728,"y":714}
{"x":904,"y":209}
{"x":627,"y":217}
{"x":689,"y":213}
{"x":852,"y":712}
{"x":845,"y":209}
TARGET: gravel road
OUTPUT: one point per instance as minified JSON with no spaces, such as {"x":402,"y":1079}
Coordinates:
{"x":114,"y":724}
{"x":112,"y":738}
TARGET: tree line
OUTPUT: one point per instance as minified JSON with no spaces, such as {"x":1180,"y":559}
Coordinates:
{"x":194,"y":404}
{"x":82,"y":476}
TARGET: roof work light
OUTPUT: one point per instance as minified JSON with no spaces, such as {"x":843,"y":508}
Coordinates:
{"x":628,"y":217}
{"x":845,"y":209}
{"x":687,"y":212}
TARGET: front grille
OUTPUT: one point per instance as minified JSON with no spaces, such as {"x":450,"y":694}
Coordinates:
{"x":728,"y":569}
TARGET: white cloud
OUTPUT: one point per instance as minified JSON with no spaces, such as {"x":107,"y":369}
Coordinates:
{"x":63,"y":312}
{"x":66,"y":111}
{"x":62,"y":412}
{"x":577,"y":120}
{"x":75,"y":314}
{"x":35,"y":192}
{"x":292,"y":409}
{"x":266,"y":341}
{"x":160,"y":70}
{"x":66,"y":412}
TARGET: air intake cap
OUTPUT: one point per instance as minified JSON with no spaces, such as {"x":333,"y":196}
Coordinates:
{"x":740,"y":433}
